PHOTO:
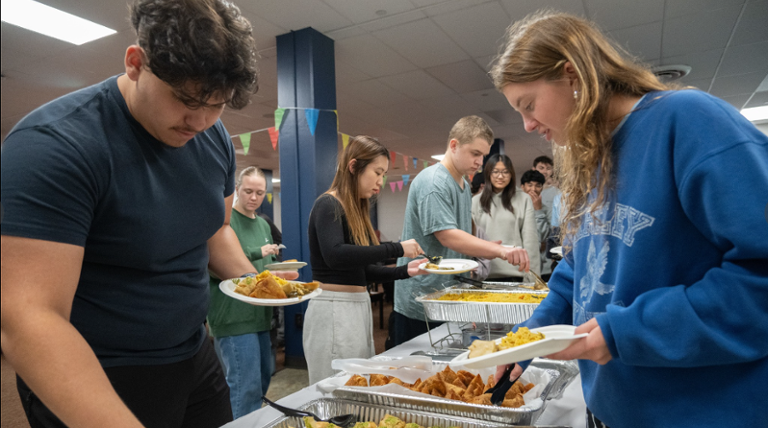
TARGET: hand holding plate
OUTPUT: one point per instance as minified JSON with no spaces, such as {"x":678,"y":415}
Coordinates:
{"x":592,"y":347}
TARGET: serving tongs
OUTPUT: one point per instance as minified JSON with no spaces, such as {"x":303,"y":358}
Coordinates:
{"x":539,"y":283}
{"x":344,"y":421}
{"x":499,"y":390}
{"x":480,"y":285}
{"x":435,"y":260}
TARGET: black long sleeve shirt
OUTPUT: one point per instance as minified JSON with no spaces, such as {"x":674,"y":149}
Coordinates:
{"x":334,"y":256}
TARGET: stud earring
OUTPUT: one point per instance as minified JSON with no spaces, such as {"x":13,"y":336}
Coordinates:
{"x":575,"y":95}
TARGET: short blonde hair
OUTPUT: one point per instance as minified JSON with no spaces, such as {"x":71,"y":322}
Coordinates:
{"x":469,"y":128}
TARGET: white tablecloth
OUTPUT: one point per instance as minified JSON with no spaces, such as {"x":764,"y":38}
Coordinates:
{"x":569,"y":410}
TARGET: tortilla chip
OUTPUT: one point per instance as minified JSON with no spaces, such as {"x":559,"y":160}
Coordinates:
{"x":379,"y":379}
{"x":517,"y":401}
{"x":356,"y":380}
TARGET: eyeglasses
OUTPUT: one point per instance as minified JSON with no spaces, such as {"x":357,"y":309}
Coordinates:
{"x":503,"y":173}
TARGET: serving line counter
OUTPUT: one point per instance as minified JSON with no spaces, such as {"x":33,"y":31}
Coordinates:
{"x":568,"y":410}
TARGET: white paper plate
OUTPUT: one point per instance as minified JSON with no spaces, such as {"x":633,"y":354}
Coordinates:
{"x":458,"y":265}
{"x":556,"y":338}
{"x":228,"y":287}
{"x":557,"y":250}
{"x":285,"y":266}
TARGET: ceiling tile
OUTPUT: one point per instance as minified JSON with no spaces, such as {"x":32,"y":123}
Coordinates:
{"x":442,"y":7}
{"x":505,"y":116}
{"x":264,"y":32}
{"x":486,"y":99}
{"x":677,"y":8}
{"x":423,"y":43}
{"x":297,"y":14}
{"x":371,"y":56}
{"x":34,"y":45}
{"x":518,"y":9}
{"x":360,"y":12}
{"x":758,"y":99}
{"x":701,"y":84}
{"x":734,"y":85}
{"x":700,"y":32}
{"x":753,"y":25}
{"x":643,"y":41}
{"x":376,"y":93}
{"x":417,"y":85}
{"x":462,"y":77}
{"x":614,"y":14}
{"x":737,"y":101}
{"x":346,"y":73}
{"x":478,"y":29}
{"x":393,"y":21}
{"x":743,"y":59}
{"x":703,"y":64}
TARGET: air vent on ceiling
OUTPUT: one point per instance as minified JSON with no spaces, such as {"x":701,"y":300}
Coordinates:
{"x":671,"y":72}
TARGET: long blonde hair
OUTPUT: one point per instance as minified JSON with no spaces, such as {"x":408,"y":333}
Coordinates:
{"x":538,"y":47}
{"x":363,"y":150}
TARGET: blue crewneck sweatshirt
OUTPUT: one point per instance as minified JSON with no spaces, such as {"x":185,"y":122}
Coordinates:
{"x":675,"y":271}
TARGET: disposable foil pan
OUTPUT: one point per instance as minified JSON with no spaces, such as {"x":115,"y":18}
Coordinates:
{"x":365,"y":412}
{"x":488,"y":312}
{"x":460,"y":409}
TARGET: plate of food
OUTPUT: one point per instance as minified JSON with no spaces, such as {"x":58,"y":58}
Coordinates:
{"x":286,"y":265}
{"x":519,"y":346}
{"x":449,"y":266}
{"x":268,"y":290}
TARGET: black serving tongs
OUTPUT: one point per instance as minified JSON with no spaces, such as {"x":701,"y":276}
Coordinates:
{"x":499,"y":390}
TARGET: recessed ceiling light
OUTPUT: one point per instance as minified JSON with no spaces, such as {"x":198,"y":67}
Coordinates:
{"x":756,"y":114}
{"x":275,"y":180}
{"x":438,"y":157}
{"x":52,"y":22}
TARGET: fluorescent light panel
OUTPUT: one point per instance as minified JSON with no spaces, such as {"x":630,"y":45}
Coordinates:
{"x":52,"y":22}
{"x":438,"y":157}
{"x":756,"y":114}
{"x":275,"y":180}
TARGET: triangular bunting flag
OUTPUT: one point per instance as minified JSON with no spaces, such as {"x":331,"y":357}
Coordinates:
{"x":415,"y":163}
{"x":393,"y":154}
{"x":279,"y":117}
{"x":392,"y":186}
{"x":405,"y":162}
{"x":426,"y":164}
{"x":274,"y":134}
{"x":312,"y":114}
{"x":384,"y":181}
{"x":406,"y":177}
{"x":269,"y":197}
{"x":344,"y":140}
{"x":470,"y":177}
{"x":245,"y":140}
{"x":400,"y":185}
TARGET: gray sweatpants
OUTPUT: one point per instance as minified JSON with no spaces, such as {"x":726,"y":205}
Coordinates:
{"x":337,"y":325}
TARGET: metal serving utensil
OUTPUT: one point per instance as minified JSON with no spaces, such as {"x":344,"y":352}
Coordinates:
{"x":344,"y":421}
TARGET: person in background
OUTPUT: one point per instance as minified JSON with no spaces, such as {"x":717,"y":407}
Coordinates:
{"x":532,"y":183}
{"x":344,"y":250}
{"x":438,"y":215}
{"x":657,"y":339}
{"x":478,"y":183}
{"x":240,"y":330}
{"x":506,"y":215}
{"x":277,"y":236}
{"x":545,"y":166}
{"x":107,"y":241}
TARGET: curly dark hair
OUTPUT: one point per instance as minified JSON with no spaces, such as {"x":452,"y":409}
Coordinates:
{"x":205,"y":42}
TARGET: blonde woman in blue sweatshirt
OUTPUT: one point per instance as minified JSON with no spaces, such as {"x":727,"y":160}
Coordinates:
{"x":666,"y":265}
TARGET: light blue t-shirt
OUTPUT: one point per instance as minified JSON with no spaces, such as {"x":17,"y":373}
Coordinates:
{"x":435,"y":202}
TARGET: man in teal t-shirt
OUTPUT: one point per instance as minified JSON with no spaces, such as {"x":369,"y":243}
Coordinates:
{"x":240,"y":330}
{"x":439,"y":216}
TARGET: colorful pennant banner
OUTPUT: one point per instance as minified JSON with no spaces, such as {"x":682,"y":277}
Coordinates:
{"x":274,"y":135}
{"x":269,"y":197}
{"x":406,"y":177}
{"x":245,"y":140}
{"x":344,"y":140}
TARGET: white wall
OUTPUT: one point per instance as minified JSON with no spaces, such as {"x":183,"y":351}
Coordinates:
{"x":391,"y":211}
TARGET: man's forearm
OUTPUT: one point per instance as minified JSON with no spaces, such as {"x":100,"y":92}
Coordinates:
{"x":227,"y":259}
{"x":467,"y":244}
{"x":58,"y":365}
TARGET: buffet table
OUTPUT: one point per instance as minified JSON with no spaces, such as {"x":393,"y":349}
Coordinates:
{"x":569,"y":410}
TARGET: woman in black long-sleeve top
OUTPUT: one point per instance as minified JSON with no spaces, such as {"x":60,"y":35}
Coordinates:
{"x":344,"y":251}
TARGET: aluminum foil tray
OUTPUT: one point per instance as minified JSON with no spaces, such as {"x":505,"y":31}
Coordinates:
{"x":365,"y":412}
{"x":460,"y":409}
{"x":478,"y":312}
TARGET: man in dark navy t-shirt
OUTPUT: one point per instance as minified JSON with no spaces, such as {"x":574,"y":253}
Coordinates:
{"x":116,"y":203}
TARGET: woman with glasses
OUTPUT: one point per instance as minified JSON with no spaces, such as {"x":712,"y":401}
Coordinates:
{"x":506,"y":215}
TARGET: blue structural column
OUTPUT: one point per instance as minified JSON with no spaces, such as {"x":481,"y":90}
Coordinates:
{"x":305,"y":80}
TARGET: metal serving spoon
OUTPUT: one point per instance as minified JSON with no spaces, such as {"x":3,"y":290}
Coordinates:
{"x":344,"y":421}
